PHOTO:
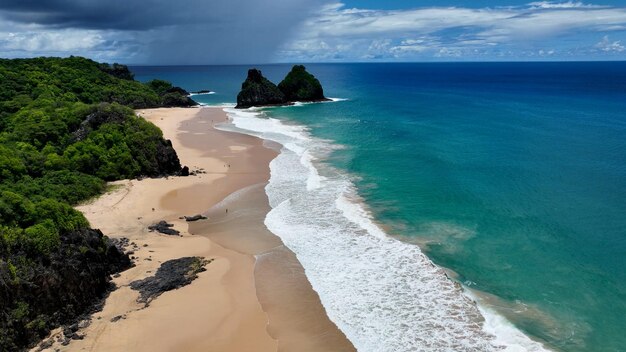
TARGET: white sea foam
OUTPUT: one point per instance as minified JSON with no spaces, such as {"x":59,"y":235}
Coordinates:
{"x":194,"y":94}
{"x":384,"y":294}
{"x":331,"y":100}
{"x":505,"y":332}
{"x":220,"y":105}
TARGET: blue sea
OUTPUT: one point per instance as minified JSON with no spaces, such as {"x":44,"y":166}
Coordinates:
{"x":509,"y":177}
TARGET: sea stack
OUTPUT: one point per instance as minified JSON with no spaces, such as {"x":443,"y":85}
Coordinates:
{"x":257,"y":90}
{"x":299,"y":85}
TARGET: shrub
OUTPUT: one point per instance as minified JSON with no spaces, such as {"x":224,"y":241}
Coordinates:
{"x":43,"y":236}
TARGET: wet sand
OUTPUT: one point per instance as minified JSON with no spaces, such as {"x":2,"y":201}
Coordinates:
{"x":297,"y":319}
{"x":254,"y":296}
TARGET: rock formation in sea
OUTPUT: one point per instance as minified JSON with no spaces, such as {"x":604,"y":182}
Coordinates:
{"x":257,"y":90}
{"x":299,"y":85}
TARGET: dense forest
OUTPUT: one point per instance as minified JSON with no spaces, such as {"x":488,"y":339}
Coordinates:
{"x":66,"y":127}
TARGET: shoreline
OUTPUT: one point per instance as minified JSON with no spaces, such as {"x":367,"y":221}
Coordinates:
{"x":376,"y":255}
{"x":254,"y":296}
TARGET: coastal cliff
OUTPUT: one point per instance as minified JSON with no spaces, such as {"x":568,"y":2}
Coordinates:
{"x":38,"y":292}
{"x":67,"y":126}
{"x":298,"y":86}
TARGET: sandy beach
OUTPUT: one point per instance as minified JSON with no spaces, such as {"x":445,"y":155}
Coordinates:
{"x":253,"y":296}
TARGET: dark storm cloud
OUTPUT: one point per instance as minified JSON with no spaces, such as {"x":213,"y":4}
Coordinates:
{"x":111,"y":14}
{"x":191,"y":31}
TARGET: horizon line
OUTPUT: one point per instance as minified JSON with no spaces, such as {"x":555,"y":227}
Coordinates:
{"x":329,"y":62}
{"x":378,"y":62}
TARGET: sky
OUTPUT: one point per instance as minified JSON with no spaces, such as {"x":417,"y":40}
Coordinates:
{"x":253,"y":32}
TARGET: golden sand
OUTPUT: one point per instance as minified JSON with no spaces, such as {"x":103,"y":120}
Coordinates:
{"x":254,"y":296}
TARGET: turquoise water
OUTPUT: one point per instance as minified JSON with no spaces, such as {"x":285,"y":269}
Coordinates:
{"x":511,"y":175}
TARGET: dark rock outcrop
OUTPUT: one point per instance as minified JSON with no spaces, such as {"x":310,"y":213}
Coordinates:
{"x":167,"y":159}
{"x":116,"y":318}
{"x":117,"y":70}
{"x":257,"y":90}
{"x":171,"y":275}
{"x":177,"y":97}
{"x":194,"y":218}
{"x":177,"y":90}
{"x":55,"y":290}
{"x":170,"y":95}
{"x":164,"y":228}
{"x":104,"y":113}
{"x":299,"y":85}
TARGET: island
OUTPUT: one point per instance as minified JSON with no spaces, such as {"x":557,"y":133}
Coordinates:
{"x":298,"y":86}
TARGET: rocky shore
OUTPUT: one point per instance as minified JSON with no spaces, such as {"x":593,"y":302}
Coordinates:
{"x":70,"y":282}
{"x":171,"y":275}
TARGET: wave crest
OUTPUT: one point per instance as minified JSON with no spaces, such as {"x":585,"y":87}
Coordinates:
{"x":384,"y":294}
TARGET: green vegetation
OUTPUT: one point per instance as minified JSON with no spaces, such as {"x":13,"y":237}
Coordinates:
{"x":66,"y":127}
{"x":170,"y":95}
{"x":299,"y":85}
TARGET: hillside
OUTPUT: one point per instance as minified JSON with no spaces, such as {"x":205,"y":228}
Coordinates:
{"x":66,"y":127}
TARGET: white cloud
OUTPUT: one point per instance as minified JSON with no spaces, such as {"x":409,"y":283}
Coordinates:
{"x":379,"y":44}
{"x":412,"y":41}
{"x":607,"y":46}
{"x":453,"y":31}
{"x":335,"y":21}
{"x":408,"y":49}
{"x":548,"y":52}
{"x":28,"y":40}
{"x":409,"y":46}
{"x":560,"y":5}
{"x":449,"y":52}
{"x":199,"y":32}
{"x":56,"y":41}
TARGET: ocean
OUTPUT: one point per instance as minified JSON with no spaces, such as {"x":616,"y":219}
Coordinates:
{"x":509,"y":177}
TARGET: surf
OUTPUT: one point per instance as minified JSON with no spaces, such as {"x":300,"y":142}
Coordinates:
{"x":384,"y":294}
